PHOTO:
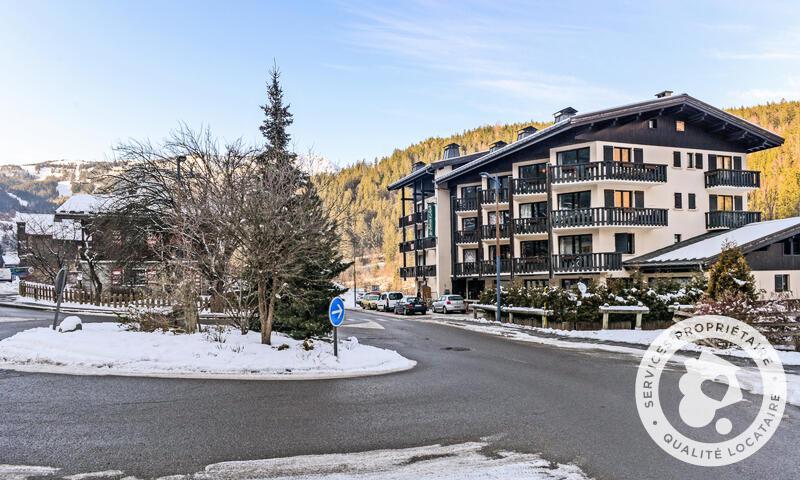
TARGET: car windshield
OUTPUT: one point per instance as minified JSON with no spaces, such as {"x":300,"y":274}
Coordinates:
{"x":456,"y":298}
{"x":372,"y":297}
{"x":395,"y":296}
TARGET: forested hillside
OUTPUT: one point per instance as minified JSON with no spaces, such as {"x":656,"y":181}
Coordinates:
{"x":363,"y":185}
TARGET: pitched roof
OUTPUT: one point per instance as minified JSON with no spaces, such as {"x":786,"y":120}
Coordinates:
{"x":704,"y":248}
{"x":767,"y":138}
{"x":433,"y":166}
{"x":83,"y":203}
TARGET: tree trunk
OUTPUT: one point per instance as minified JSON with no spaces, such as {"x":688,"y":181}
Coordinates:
{"x":262,"y":311}
{"x":217,"y":298}
{"x":271,"y":311}
{"x":190,"y":313}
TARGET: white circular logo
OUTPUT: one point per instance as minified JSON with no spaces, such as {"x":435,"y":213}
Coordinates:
{"x":697,"y":410}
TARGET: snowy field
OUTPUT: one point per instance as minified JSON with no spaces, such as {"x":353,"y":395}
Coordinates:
{"x":465,"y":461}
{"x":107,"y":349}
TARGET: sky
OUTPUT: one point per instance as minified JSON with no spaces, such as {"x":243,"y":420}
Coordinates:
{"x":366,"y":77}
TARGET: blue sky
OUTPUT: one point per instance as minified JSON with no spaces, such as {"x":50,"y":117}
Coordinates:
{"x":366,"y":77}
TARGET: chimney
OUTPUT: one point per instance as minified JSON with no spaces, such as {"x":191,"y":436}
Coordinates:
{"x":665,"y":93}
{"x":452,"y":150}
{"x":497,"y":145}
{"x":525,"y":131}
{"x":564,"y":114}
{"x":417,"y":166}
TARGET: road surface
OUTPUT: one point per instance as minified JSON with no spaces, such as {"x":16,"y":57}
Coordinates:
{"x":570,"y":406}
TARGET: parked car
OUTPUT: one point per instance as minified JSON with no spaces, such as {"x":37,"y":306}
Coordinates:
{"x":450,"y":304}
{"x":369,"y":302}
{"x":388,"y":300}
{"x":410,"y":306}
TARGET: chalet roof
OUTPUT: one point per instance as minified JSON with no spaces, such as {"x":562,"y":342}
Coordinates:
{"x":429,"y":169}
{"x":755,"y":137}
{"x":705,"y":248}
{"x":83,"y":203}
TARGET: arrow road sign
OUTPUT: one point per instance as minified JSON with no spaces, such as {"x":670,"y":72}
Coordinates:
{"x":336,"y":312}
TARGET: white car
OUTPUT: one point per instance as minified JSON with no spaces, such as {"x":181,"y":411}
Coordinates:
{"x":388,"y":300}
{"x":449,"y":304}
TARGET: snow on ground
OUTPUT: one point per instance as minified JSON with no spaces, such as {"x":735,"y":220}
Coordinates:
{"x":23,"y":472}
{"x":22,"y":202}
{"x":64,"y":188}
{"x":107,"y":349}
{"x":9,"y":288}
{"x":748,"y":377}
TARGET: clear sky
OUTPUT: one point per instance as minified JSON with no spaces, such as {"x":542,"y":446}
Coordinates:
{"x":366,"y":77}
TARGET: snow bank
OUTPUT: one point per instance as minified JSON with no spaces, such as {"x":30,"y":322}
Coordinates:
{"x":70,"y":324}
{"x":107,"y":349}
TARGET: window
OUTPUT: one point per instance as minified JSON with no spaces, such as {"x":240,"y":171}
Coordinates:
{"x":469,"y":224}
{"x":572,"y":157}
{"x":623,"y":198}
{"x":505,"y":252}
{"x":678,"y":237}
{"x":782,"y":283}
{"x":533,"y":210}
{"x":692,"y":201}
{"x":469,"y":192}
{"x":791,"y":246}
{"x":680,"y":126}
{"x":724,"y":162}
{"x":725,"y":203}
{"x":676,"y":159}
{"x":575,"y":244}
{"x":538,"y":170}
{"x":536,"y":283}
{"x":571,"y":282}
{"x":622,"y":154}
{"x":623,"y":243}
{"x":652,"y":123}
{"x":678,"y":200}
{"x":470,"y":255}
{"x":690,"y":160}
{"x":574,"y":200}
{"x":534,"y":248}
{"x":503,"y":217}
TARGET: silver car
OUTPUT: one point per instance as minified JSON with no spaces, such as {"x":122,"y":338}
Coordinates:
{"x":450,"y":304}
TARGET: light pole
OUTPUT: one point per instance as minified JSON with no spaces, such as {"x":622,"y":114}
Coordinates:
{"x":496,"y":180}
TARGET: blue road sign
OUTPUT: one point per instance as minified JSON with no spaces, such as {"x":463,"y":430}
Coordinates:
{"x":336,"y":312}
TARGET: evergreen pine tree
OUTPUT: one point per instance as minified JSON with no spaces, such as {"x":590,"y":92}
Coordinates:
{"x":731,"y":275}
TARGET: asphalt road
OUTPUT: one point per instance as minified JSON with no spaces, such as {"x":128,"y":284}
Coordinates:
{"x":570,"y":406}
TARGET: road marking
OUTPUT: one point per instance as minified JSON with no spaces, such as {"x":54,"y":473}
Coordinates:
{"x":13,"y":319}
{"x":367,"y":324}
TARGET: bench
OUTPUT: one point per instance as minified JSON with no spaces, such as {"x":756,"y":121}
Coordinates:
{"x":544,"y":314}
{"x":637,"y":310}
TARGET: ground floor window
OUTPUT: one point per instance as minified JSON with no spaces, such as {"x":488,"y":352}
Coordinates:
{"x":623,"y":243}
{"x":571,"y":282}
{"x":782,"y":283}
{"x":536,"y":283}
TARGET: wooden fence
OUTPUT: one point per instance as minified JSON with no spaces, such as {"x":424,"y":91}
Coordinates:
{"x":39,"y":291}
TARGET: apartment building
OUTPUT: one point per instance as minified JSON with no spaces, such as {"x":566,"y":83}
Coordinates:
{"x":579,"y":199}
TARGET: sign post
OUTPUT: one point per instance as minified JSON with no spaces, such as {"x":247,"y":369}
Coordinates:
{"x":61,"y":280}
{"x":336,"y":316}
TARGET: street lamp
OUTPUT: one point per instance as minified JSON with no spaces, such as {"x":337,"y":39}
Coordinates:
{"x":496,"y":180}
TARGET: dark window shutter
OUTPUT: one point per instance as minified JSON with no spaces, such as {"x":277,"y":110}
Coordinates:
{"x":712,"y":202}
{"x":779,"y":283}
{"x":698,"y":160}
{"x":608,"y":153}
{"x":633,"y":243}
{"x":609,"y":196}
{"x":737,"y":203}
{"x":737,"y":163}
{"x":712,"y":162}
{"x":787,"y":247}
{"x":678,"y":200}
{"x":692,"y":201}
{"x":638,"y":199}
{"x":676,"y":159}
{"x":638,"y":155}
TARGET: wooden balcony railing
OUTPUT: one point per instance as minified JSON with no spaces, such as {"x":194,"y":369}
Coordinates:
{"x":524,"y":226}
{"x":467,"y":269}
{"x":530,"y":265}
{"x":467,"y":236}
{"x":733,"y":178}
{"x":466,"y":204}
{"x":730,"y":219}
{"x":602,"y":216}
{"x":407,"y":246}
{"x":423,"y":243}
{"x":593,"y":171}
{"x":489,"y":267}
{"x":587,"y":262}
{"x":487,"y":196}
{"x":529,"y":186}
{"x":412,"y":219}
{"x":490,"y":231}
{"x":419,"y":271}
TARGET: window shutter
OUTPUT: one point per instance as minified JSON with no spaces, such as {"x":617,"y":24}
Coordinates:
{"x":638,"y":155}
{"x":787,"y":247}
{"x":698,"y":160}
{"x":678,"y":200}
{"x":692,"y":201}
{"x":608,"y":153}
{"x":712,"y":202}
{"x":737,"y":163}
{"x":633,"y":243}
{"x":712,"y":162}
{"x":737,"y":203}
{"x":638,"y":199}
{"x":779,"y":283}
{"x":676,"y":159}
{"x":619,"y":244}
{"x":609,"y":197}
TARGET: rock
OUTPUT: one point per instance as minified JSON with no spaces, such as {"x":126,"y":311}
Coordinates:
{"x":283,"y":347}
{"x":70,"y":324}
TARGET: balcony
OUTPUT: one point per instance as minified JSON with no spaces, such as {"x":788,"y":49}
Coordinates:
{"x":467,"y":269}
{"x":467,"y":236}
{"x":733,"y":178}
{"x":530,"y":226}
{"x":619,"y":171}
{"x":490,"y":231}
{"x":489,"y":267}
{"x":418,"y":244}
{"x":407,"y":246}
{"x":587,"y":262}
{"x":468,"y":204}
{"x":411,"y":219}
{"x":420,"y":271}
{"x":487,"y":196}
{"x":529,"y":186}
{"x":719,"y":219}
{"x":609,"y":216}
{"x":531,"y":265}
